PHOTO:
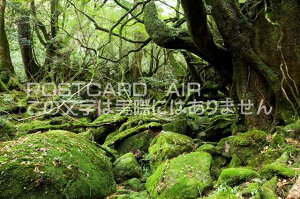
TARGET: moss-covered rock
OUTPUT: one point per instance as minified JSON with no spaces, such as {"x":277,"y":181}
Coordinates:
{"x":292,"y":130}
{"x":225,"y":146}
{"x":13,"y":102}
{"x":249,"y":144}
{"x":218,"y":128}
{"x":223,"y":193}
{"x":60,"y":123}
{"x":235,"y":176}
{"x":134,"y":184}
{"x":7,"y":130}
{"x":109,"y":118}
{"x":277,"y":169}
{"x":126,"y":167}
{"x":185,"y":176}
{"x":135,"y":195}
{"x":251,"y":191}
{"x":209,"y":148}
{"x":118,"y":136}
{"x":168,"y":145}
{"x":235,"y":162}
{"x":268,"y":189}
{"x":139,"y":142}
{"x":56,"y":164}
{"x":178,"y":126}
{"x":218,"y":164}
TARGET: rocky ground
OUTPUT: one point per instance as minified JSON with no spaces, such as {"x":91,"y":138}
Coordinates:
{"x":138,"y":157}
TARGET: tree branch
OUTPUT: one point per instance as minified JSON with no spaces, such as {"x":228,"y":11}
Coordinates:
{"x":165,"y":36}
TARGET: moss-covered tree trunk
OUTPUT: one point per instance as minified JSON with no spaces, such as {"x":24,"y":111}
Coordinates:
{"x":6,"y":67}
{"x":259,"y":57}
{"x":25,"y":42}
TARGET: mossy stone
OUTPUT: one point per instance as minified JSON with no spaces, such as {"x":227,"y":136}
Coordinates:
{"x":185,"y":176}
{"x":139,"y":142}
{"x":134,"y":184}
{"x":268,"y":189}
{"x":235,"y":176}
{"x":225,"y":146}
{"x":218,"y":164}
{"x":293,"y":130}
{"x":249,"y":144}
{"x":209,"y":148}
{"x":126,"y":167}
{"x":7,"y":130}
{"x":277,"y":169}
{"x":168,"y":145}
{"x":224,"y":193}
{"x":135,"y":195}
{"x":55,"y":164}
{"x":251,"y":191}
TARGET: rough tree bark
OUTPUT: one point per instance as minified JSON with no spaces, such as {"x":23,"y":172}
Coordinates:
{"x":25,"y":42}
{"x":260,"y":56}
{"x":6,"y":67}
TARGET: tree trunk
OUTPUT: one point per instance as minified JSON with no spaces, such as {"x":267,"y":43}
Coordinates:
{"x":259,"y":57}
{"x":25,"y":42}
{"x":265,"y":56}
{"x":6,"y":67}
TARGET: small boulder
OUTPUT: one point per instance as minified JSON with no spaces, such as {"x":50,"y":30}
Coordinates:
{"x":168,"y":145}
{"x":126,"y":167}
{"x":235,"y":176}
{"x":183,"y":177}
{"x":134,"y":184}
{"x":277,"y":169}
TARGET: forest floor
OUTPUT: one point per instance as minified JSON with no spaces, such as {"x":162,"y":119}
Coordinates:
{"x":180,"y":156}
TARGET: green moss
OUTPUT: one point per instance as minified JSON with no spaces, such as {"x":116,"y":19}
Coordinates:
{"x":292,"y":130}
{"x":60,"y":123}
{"x":268,"y":189}
{"x":13,"y":102}
{"x":56,"y":164}
{"x":135,"y":195}
{"x":126,"y":167}
{"x":7,"y":130}
{"x":120,"y":136}
{"x":209,"y":148}
{"x":223,"y":193}
{"x":252,"y":190}
{"x":139,"y":142}
{"x":225,"y":146}
{"x":134,"y":184}
{"x":277,"y":169}
{"x":218,"y":164}
{"x":185,"y":176}
{"x":109,"y":118}
{"x":235,"y":161}
{"x":168,"y":145}
{"x":249,"y":144}
{"x":178,"y":126}
{"x":138,"y":121}
{"x":278,"y":141}
{"x":235,"y":176}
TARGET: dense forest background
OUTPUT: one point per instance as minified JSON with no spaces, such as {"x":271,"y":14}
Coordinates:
{"x":224,"y":75}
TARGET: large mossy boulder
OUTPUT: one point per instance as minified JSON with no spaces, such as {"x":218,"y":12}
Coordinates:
{"x":245,"y":145}
{"x":185,"y":176}
{"x":126,"y":167}
{"x":55,"y":164}
{"x":235,"y":176}
{"x":168,"y":145}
